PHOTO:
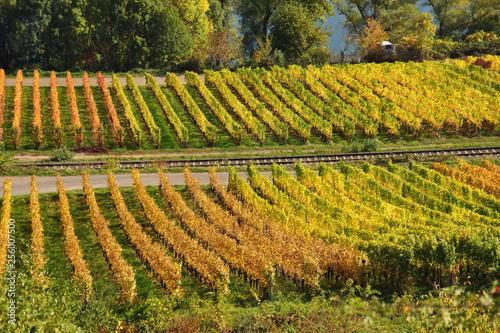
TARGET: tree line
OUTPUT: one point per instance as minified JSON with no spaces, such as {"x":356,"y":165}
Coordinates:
{"x":447,"y":28}
{"x":120,"y":35}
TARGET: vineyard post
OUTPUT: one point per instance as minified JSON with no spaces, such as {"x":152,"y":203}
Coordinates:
{"x":363,"y":282}
{"x":159,"y":138}
{"x":271,"y":288}
{"x":86,"y":297}
{"x":139,"y":139}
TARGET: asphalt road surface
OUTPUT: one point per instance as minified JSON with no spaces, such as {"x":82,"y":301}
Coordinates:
{"x":21,"y":185}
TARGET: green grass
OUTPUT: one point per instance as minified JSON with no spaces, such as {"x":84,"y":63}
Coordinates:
{"x":196,"y":139}
{"x":67,"y":123}
{"x":8,"y":116}
{"x":27,"y":116}
{"x":104,"y":118}
{"x":92,"y":252}
{"x":223,"y":138}
{"x":146,"y":140}
{"x":168,"y":139}
{"x":58,"y":264}
{"x":88,"y":140}
{"x":47,"y":123}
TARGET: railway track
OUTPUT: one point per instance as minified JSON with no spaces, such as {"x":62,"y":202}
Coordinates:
{"x":265,"y":161}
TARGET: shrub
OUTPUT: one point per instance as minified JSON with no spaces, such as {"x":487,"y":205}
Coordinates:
{"x":370,"y":145}
{"x":61,"y":155}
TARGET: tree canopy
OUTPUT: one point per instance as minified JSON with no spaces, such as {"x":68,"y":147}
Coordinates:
{"x":120,"y":35}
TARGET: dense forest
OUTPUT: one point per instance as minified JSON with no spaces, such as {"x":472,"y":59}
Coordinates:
{"x":119,"y":35}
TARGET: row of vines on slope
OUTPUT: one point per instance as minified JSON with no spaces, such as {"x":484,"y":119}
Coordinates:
{"x":37,"y":111}
{"x":206,"y":265}
{"x":116,"y":127}
{"x":393,"y":100}
{"x":389,"y":223}
{"x":73,"y":109}
{"x":56,"y":112}
{"x":162,"y":266}
{"x":97,"y":127}
{"x":71,"y":242}
{"x":124,"y":273}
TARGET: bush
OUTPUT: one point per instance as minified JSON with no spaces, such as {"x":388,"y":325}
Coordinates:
{"x":355,"y":147}
{"x":370,"y":145}
{"x":366,"y":145}
{"x":61,"y":155}
{"x":460,"y":50}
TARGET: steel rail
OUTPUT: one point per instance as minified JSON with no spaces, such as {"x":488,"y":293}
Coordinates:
{"x":265,"y":161}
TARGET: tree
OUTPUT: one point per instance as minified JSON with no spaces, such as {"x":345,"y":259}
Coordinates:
{"x":66,"y":34}
{"x":217,"y":15}
{"x":452,"y":17}
{"x":399,"y":22}
{"x":138,"y":33}
{"x":369,"y":40}
{"x":358,"y":12}
{"x":224,"y":47}
{"x":419,"y":39}
{"x":485,"y":16}
{"x":22,"y":25}
{"x":256,"y":16}
{"x":169,"y":39}
{"x":194,"y":14}
{"x":296,"y":33}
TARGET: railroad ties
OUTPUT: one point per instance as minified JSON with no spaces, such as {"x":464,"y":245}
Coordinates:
{"x":265,"y":161}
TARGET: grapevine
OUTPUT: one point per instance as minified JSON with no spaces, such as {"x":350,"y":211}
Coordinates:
{"x":118,"y":132}
{"x":97,"y":128}
{"x":73,"y":108}
{"x":154,"y":130}
{"x":16,"y":122}
{"x":37,"y":248}
{"x":71,"y":242}
{"x":4,"y":227}
{"x":129,"y":115}
{"x":168,"y":272}
{"x":124,"y":274}
{"x":208,"y":130}
{"x":207,"y":266}
{"x":37,"y":111}
{"x":180,"y":130}
{"x":56,"y":112}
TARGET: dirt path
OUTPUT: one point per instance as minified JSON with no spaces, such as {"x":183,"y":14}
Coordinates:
{"x":45,"y":82}
{"x":152,"y":155}
{"x":21,"y":185}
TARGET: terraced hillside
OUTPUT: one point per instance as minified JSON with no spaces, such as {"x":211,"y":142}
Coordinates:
{"x":385,"y":223}
{"x":389,"y":227}
{"x":253,"y":107}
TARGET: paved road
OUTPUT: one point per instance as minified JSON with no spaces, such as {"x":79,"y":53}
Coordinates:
{"x":45,"y":82}
{"x":21,"y":185}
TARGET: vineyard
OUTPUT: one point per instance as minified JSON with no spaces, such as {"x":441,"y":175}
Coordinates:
{"x":253,"y":107}
{"x":383,"y":226}
{"x":321,"y":237}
